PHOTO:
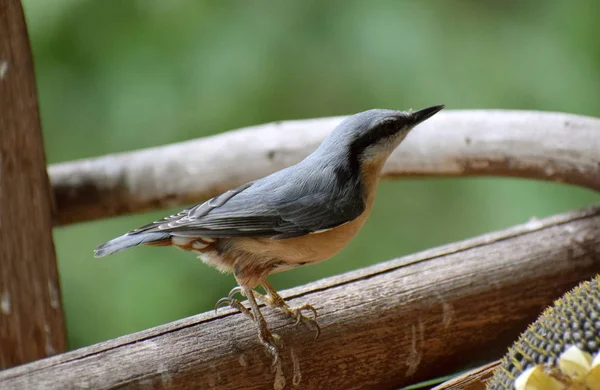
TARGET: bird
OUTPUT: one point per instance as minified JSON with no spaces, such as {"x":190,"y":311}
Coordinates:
{"x":303,"y":214}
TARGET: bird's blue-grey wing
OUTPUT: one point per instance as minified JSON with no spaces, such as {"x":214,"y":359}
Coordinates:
{"x":289,"y":207}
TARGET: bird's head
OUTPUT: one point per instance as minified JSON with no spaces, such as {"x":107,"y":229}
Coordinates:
{"x":369,"y":137}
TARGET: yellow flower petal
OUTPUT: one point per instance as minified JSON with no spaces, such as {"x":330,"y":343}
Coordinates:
{"x":575,"y":363}
{"x":592,"y":380}
{"x":535,"y":378}
{"x":596,"y":361}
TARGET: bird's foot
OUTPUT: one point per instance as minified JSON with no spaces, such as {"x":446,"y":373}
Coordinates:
{"x":230,"y":301}
{"x":296,"y":312}
{"x":271,"y":342}
{"x":274,"y":300}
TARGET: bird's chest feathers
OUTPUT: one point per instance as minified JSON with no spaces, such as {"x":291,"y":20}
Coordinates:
{"x":310,"y":248}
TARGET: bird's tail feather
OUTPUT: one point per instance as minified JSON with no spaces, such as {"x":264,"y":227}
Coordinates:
{"x":127,"y":241}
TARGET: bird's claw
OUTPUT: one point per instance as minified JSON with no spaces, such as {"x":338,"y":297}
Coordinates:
{"x":230,"y":301}
{"x":272,"y":343}
{"x":229,"y":298}
{"x":296,"y":312}
{"x":274,"y":300}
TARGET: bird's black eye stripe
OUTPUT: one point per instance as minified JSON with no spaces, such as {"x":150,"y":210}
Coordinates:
{"x":382,"y":130}
{"x":386,"y":129}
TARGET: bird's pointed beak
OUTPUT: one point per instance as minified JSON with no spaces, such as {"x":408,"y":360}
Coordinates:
{"x":426,"y":113}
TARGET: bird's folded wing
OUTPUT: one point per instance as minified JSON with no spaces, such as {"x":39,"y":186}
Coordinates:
{"x":242,"y":213}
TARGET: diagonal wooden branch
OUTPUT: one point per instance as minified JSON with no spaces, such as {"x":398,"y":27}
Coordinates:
{"x":538,"y":145}
{"x":386,"y":326}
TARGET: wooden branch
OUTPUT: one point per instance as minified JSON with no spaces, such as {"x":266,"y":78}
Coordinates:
{"x":473,"y":380}
{"x":385,"y":326}
{"x":31,"y":322}
{"x":546,"y":146}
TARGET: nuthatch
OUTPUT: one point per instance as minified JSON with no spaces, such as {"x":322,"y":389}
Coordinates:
{"x":299,"y":215}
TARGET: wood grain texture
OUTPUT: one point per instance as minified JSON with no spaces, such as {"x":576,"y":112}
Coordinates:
{"x":383,"y":327}
{"x":473,"y":380}
{"x":538,"y":145}
{"x":31,"y":322}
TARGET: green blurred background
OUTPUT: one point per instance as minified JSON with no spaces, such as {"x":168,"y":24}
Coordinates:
{"x":122,"y":75}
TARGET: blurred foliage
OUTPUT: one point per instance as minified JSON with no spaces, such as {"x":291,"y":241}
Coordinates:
{"x":121,"y":75}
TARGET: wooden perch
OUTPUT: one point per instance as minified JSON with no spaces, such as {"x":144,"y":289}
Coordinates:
{"x":385,"y":326}
{"x":31,"y":322}
{"x":473,"y":380}
{"x":537,"y":145}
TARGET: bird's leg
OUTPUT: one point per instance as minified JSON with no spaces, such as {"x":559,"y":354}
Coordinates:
{"x":230,"y":301}
{"x":268,"y":339}
{"x":273,"y":299}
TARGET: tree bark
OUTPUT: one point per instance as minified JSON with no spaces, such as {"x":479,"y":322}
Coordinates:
{"x":31,"y":321}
